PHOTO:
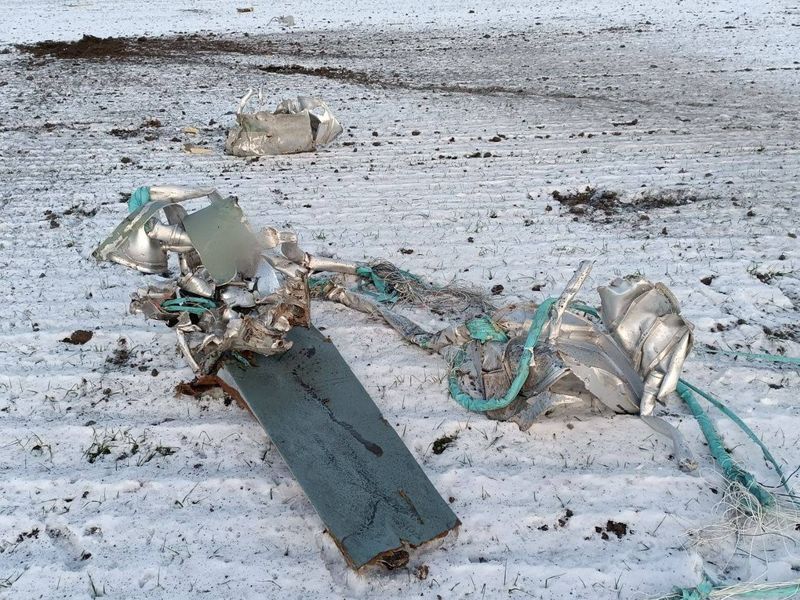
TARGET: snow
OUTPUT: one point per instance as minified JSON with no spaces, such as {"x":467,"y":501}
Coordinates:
{"x":714,"y":90}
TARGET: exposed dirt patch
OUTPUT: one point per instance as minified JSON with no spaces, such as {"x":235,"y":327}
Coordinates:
{"x":370,"y":79}
{"x":77,"y":210}
{"x":335,"y":73}
{"x":123,"y":48}
{"x":121,"y":354}
{"x":124,"y":133}
{"x":81,"y":211}
{"x":768,"y":276}
{"x":593,"y":202}
{"x":789,"y":332}
{"x":78,"y":337}
{"x":197,"y":387}
{"x":664,"y":199}
{"x":588,"y":200}
{"x":111,"y":48}
{"x":443,"y":443}
{"x":613,"y":527}
{"x":52,"y":217}
{"x":568,"y":514}
{"x":26,"y":535}
{"x":561,"y":522}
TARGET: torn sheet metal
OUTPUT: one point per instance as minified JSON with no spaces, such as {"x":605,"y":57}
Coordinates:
{"x":300,"y":125}
{"x":373,"y":497}
{"x":222,"y":239}
{"x":238,"y":291}
{"x":627,"y":357}
{"x":241,"y":311}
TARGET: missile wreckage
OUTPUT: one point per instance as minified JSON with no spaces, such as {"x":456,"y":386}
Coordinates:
{"x":300,"y":125}
{"x":241,"y":310}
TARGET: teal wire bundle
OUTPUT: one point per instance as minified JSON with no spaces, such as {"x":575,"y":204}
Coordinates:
{"x":540,"y":318}
{"x":483,"y":330}
{"x":706,"y":590}
{"x":730,"y":469}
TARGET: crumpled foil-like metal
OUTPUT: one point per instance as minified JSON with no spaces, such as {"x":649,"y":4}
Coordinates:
{"x":300,"y":125}
{"x":627,"y":362}
{"x":238,"y":291}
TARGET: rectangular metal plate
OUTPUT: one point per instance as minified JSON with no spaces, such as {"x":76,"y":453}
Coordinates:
{"x":222,"y":238}
{"x":358,"y":474}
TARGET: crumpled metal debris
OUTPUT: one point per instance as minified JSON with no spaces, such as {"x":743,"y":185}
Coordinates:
{"x":238,"y":291}
{"x":628,"y":360}
{"x":299,"y":125}
{"x":240,"y":308}
{"x":283,"y":20}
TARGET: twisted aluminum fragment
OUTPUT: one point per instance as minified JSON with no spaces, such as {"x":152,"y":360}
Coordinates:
{"x":299,"y":125}
{"x":238,"y":291}
{"x":627,"y":362}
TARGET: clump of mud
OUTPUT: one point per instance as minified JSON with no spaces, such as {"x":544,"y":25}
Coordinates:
{"x":443,"y":443}
{"x":663,"y":199}
{"x":593,"y":202}
{"x":789,"y":332}
{"x":122,"y":48}
{"x":613,"y":527}
{"x":588,"y":200}
{"x":334,"y":73}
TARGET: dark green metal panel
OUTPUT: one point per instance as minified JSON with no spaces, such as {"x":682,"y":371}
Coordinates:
{"x":358,"y":474}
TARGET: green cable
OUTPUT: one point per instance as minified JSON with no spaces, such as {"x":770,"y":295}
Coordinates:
{"x":483,"y":329}
{"x":383,"y":295}
{"x":705,"y":588}
{"x":540,"y":317}
{"x":193,"y":305}
{"x":776,"y":358}
{"x":730,"y":469}
{"x":701,"y":592}
{"x":743,"y":426}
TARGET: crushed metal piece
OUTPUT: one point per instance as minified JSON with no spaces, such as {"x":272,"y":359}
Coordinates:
{"x":241,"y":311}
{"x":238,"y":291}
{"x":628,"y":362}
{"x":283,"y":20}
{"x":300,"y":125}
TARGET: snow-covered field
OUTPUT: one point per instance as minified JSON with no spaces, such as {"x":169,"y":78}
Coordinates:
{"x":460,"y":121}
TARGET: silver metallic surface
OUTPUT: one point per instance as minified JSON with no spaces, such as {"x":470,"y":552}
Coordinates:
{"x":130,"y":245}
{"x":567,"y":296}
{"x":237,"y":291}
{"x":198,"y":282}
{"x":300,"y":125}
{"x":644,"y":318}
{"x":628,"y":362}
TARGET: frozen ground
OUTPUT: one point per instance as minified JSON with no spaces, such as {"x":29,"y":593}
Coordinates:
{"x":704,"y":98}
